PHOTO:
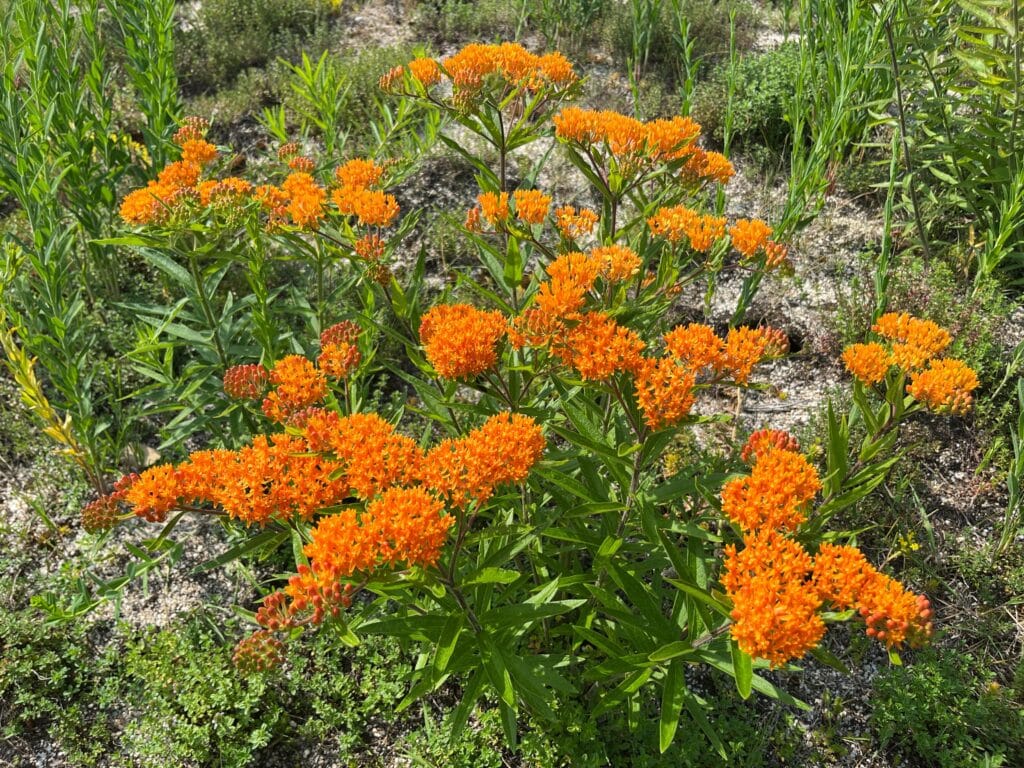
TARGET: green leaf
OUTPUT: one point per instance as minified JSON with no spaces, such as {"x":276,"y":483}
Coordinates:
{"x":446,"y":643}
{"x":670,"y":651}
{"x":493,"y":576}
{"x":672,"y":697}
{"x":743,"y":667}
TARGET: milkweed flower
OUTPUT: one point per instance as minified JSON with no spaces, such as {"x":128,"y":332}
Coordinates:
{"x":745,"y":348}
{"x":371,"y":207}
{"x":370,"y":247}
{"x":345,"y":332}
{"x":841,"y":573}
{"x":573,"y":224}
{"x":893,"y":614}
{"x":371,"y":453}
{"x":199,"y":152}
{"x":531,"y":205}
{"x":302,"y":164}
{"x":867,"y":362}
{"x":306,"y":199}
{"x":259,"y":652}
{"x":494,"y":207}
{"x":154,"y":493}
{"x":749,"y":236}
{"x":702,"y":166}
{"x":916,"y":340}
{"x":192,"y":129}
{"x":426,"y":71}
{"x":775,"y":607}
{"x":359,"y":173}
{"x":664,"y":391}
{"x":460,"y":340}
{"x":675,"y":223}
{"x":775,"y":495}
{"x":570,"y":277}
{"x":616,"y":262}
{"x":946,"y":385}
{"x":502,"y":451}
{"x":402,"y":526}
{"x":246,"y":382}
{"x":297,"y":384}
{"x":598,"y":347}
{"x":696,"y":346}
{"x":338,"y":360}
{"x":764,"y":440}
{"x":100,"y":515}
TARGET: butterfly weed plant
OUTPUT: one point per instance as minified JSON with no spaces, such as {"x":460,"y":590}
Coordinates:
{"x":514,"y":521}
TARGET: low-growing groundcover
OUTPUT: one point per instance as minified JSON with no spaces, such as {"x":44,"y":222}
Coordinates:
{"x":521,"y":507}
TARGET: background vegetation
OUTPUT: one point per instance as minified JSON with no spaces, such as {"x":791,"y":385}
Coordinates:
{"x":909,"y":111}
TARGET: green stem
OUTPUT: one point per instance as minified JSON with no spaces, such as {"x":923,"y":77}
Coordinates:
{"x":204,"y":302}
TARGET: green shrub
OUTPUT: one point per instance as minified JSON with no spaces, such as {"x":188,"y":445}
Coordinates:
{"x":55,"y":681}
{"x":763,"y":84}
{"x":225,"y":37}
{"x":946,"y":712}
{"x":191,"y":705}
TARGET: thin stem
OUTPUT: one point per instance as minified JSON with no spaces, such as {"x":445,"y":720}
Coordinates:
{"x":204,"y":302}
{"x":915,"y":203}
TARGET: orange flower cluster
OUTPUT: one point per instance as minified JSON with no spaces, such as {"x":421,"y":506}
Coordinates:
{"x":775,"y":495}
{"x":276,"y":476}
{"x":359,"y":173}
{"x":598,"y":347}
{"x":426,"y":71}
{"x":702,"y":231}
{"x":844,"y":578}
{"x":573,"y":224}
{"x":510,"y":62}
{"x":626,"y":138}
{"x":373,"y":456}
{"x":494,"y":207}
{"x":868,"y":362}
{"x":246,"y":382}
{"x":404,"y":522}
{"x":155,"y":203}
{"x":696,"y":346}
{"x":618,"y":263}
{"x":664,"y":391}
{"x":306,"y":199}
{"x":500,"y":452}
{"x":103,"y":513}
{"x":775,"y":607}
{"x":297,"y":385}
{"x":356,"y":196}
{"x":192,"y":129}
{"x":338,"y":360}
{"x":746,"y":347}
{"x":764,"y":440}
{"x":531,"y":205}
{"x":941,"y":384}
{"x":370,"y":247}
{"x":750,"y":236}
{"x":915,"y":341}
{"x":776,"y":587}
{"x":460,"y":340}
{"x":702,"y":167}
{"x":225,"y":192}
{"x":401,"y":526}
{"x":945,"y":385}
{"x":259,"y":652}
